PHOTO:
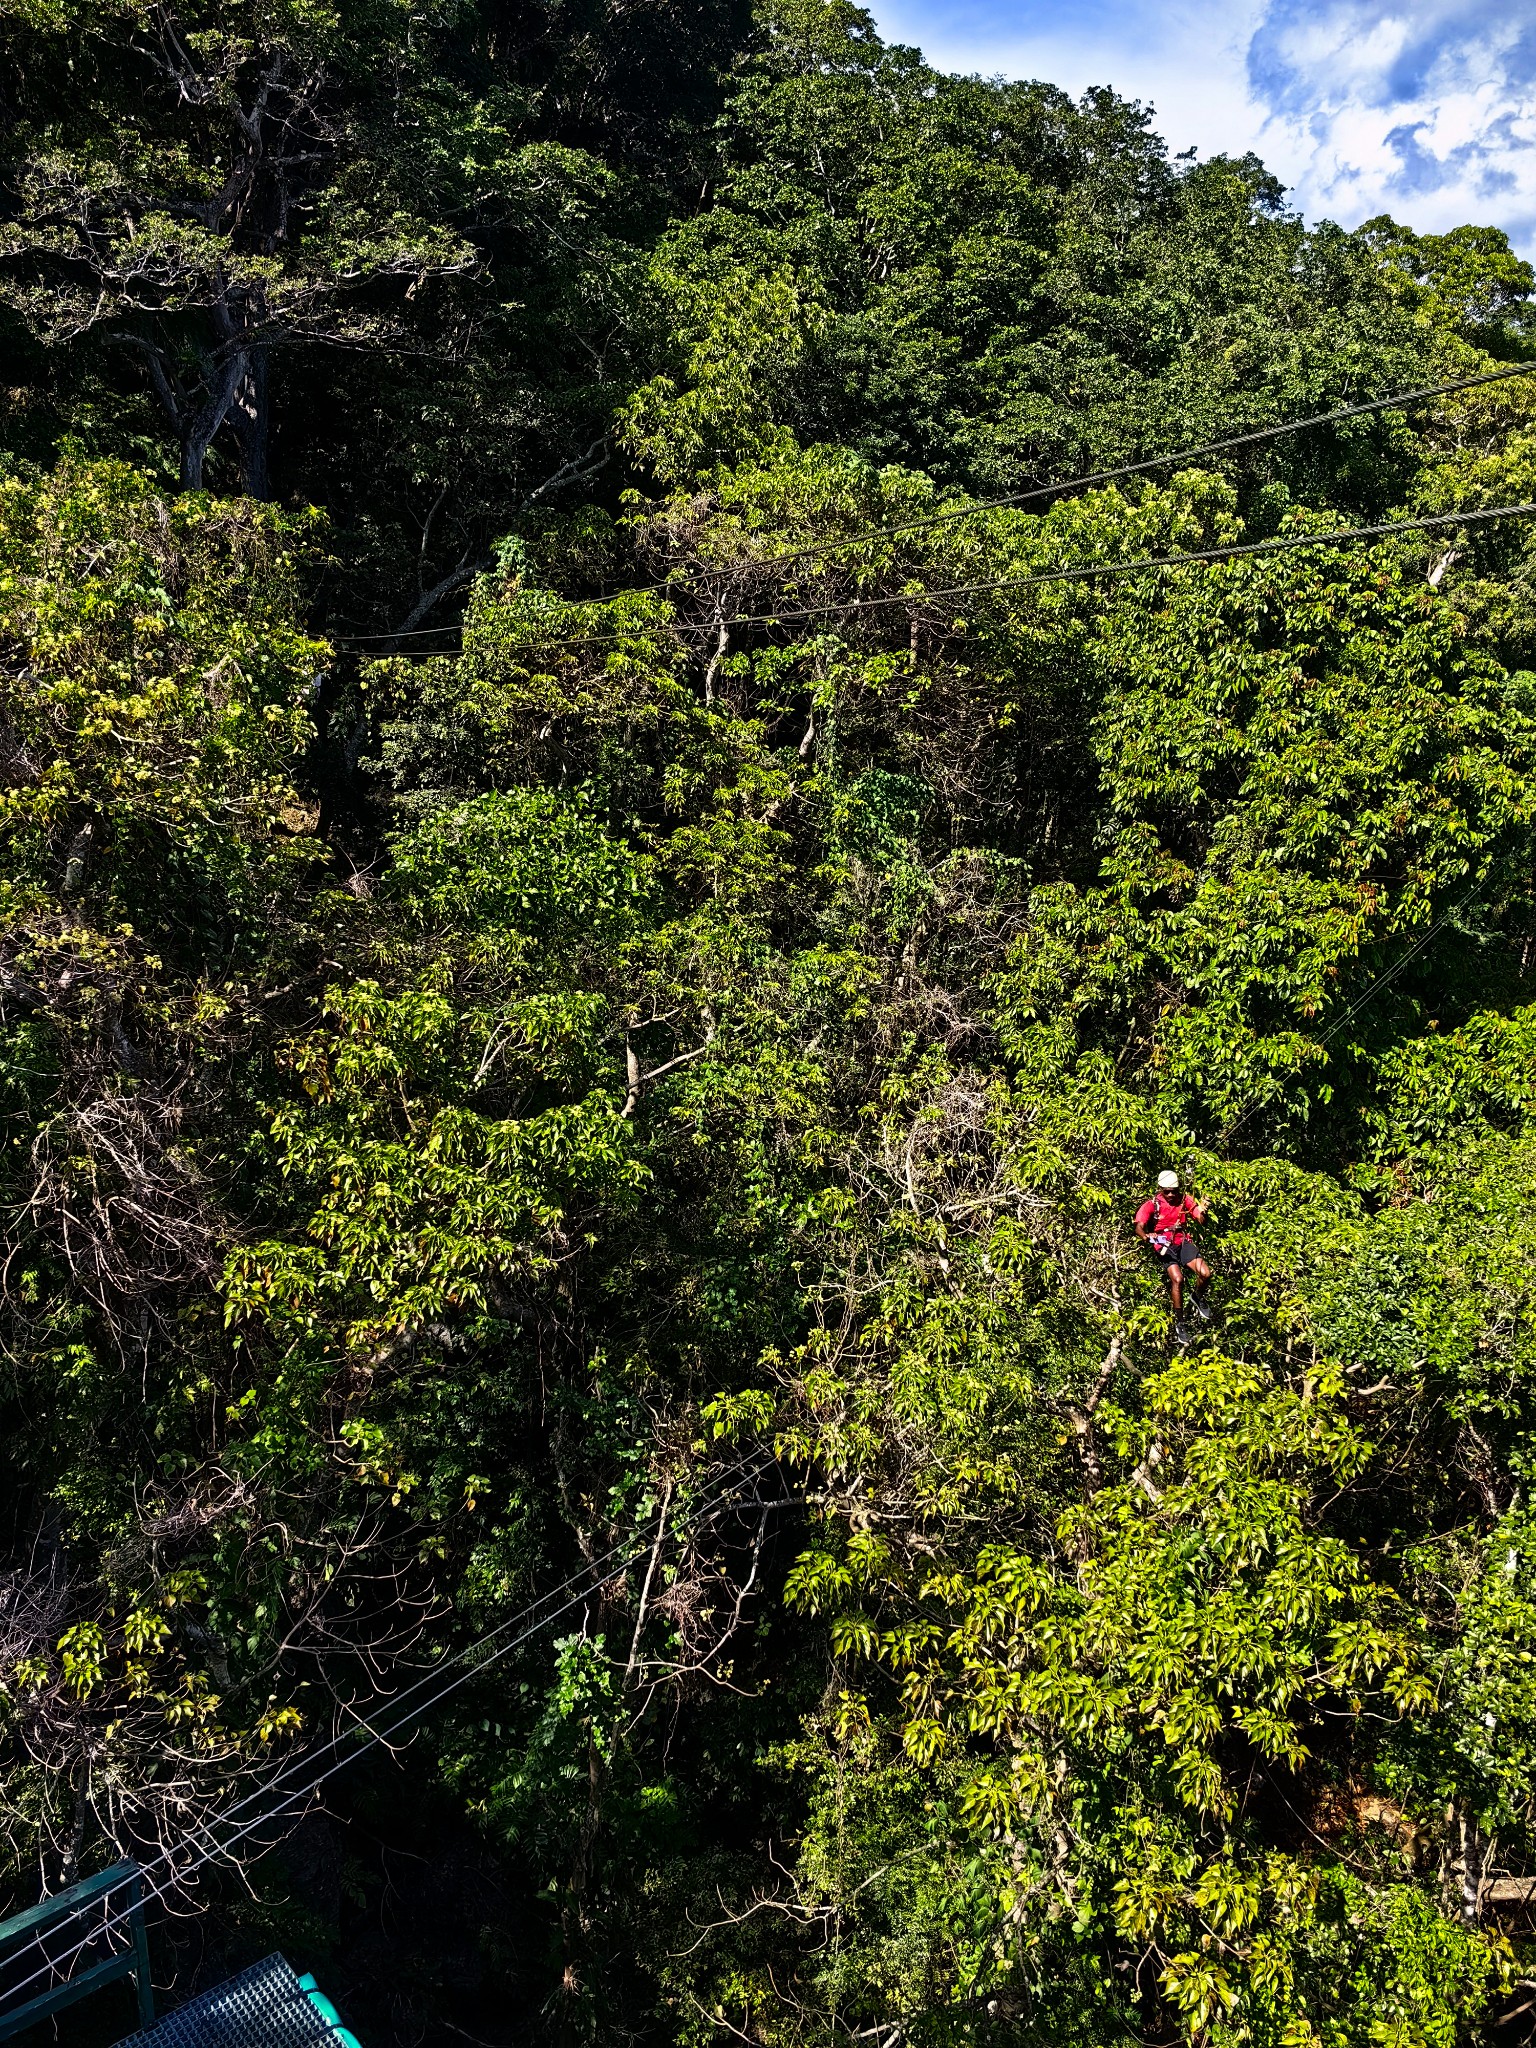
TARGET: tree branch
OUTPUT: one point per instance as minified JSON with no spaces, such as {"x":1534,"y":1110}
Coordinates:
{"x":639,"y":1081}
{"x":1082,"y":1418}
{"x":578,"y":470}
{"x":650,"y":1573}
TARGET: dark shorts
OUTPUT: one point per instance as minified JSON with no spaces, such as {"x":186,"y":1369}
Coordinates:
{"x":1184,"y":1254}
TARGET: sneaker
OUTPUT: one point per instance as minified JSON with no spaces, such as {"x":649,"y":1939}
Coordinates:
{"x":1181,"y":1331}
{"x":1201,"y":1310}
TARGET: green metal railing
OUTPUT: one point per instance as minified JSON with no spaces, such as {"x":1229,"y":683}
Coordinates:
{"x":132,"y":1961}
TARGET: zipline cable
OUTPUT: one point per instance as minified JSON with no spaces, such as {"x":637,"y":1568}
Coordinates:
{"x":1076,"y":572}
{"x":593,"y":1575}
{"x":395,"y":1700}
{"x":1079,"y":572}
{"x":1398,"y":400}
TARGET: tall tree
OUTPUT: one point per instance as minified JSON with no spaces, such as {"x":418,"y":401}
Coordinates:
{"x":202,"y":191}
{"x":765,"y":961}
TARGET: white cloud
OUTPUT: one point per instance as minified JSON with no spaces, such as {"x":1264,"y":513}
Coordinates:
{"x":1422,"y":108}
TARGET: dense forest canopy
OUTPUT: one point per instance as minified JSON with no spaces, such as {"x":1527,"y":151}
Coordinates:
{"x":592,"y":977}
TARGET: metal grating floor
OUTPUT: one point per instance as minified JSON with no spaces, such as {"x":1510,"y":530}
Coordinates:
{"x":264,"y":2007}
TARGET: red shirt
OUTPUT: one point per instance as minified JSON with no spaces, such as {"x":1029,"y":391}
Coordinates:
{"x":1167,"y":1220}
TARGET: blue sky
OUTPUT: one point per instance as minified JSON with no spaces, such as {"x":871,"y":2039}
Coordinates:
{"x":1425,"y":109}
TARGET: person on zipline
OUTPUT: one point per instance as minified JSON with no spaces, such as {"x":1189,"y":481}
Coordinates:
{"x":1162,"y":1224}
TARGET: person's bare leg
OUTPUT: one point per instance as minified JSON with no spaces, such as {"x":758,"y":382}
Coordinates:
{"x":1176,"y":1287}
{"x":1202,"y":1273}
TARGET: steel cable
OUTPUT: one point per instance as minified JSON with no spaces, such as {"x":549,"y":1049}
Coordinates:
{"x":586,"y":1583}
{"x":1402,"y":399}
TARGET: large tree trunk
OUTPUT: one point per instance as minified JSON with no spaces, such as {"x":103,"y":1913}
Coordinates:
{"x":199,"y":427}
{"x":250,"y":419}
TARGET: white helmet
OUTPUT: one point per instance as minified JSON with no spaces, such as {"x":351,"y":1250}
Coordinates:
{"x":1168,"y":1181}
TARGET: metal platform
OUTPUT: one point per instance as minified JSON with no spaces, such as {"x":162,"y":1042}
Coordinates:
{"x":266,"y":2006}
